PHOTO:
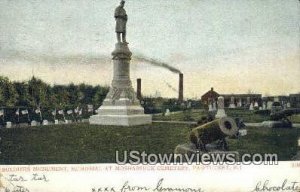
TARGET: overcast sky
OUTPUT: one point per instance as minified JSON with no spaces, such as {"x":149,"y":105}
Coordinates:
{"x":234,"y":46}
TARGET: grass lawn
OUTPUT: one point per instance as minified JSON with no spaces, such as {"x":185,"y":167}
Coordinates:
{"x":295,"y":118}
{"x":84,"y":143}
{"x":197,"y":114}
{"x":191,"y":115}
{"x":281,"y":141}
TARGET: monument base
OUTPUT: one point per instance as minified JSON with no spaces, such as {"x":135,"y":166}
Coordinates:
{"x":121,"y":106}
{"x":121,"y":120}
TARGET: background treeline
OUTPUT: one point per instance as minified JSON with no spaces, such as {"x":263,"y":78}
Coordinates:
{"x":35,"y":93}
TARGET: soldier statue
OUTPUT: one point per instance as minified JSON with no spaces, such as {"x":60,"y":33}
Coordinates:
{"x":121,"y":20}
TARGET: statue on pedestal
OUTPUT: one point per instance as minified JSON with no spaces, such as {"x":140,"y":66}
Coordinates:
{"x":121,"y":106}
{"x":121,"y":20}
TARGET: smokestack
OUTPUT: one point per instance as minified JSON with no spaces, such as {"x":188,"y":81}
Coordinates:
{"x":180,"y":93}
{"x":139,"y":88}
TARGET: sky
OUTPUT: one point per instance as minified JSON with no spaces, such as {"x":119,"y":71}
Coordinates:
{"x":237,"y":46}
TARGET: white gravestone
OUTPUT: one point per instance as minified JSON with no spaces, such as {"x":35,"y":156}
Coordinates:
{"x":8,"y":124}
{"x":214,"y":106}
{"x":210,"y":106}
{"x":45,"y":122}
{"x":167,"y":112}
{"x":239,"y":103}
{"x":221,"y":110}
{"x":243,"y":132}
{"x":56,"y":122}
{"x":248,"y":100}
{"x":68,"y":121}
{"x":33,"y":123}
{"x":264,"y":105}
{"x":269,"y":105}
{"x":232,"y":104}
{"x":251,"y":108}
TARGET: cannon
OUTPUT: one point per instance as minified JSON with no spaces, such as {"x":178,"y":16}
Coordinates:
{"x":216,"y":130}
{"x":280,"y":118}
{"x":283,"y":114}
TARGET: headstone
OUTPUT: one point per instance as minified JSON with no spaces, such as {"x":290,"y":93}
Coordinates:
{"x":248,"y":100}
{"x":221,"y":110}
{"x":239,"y":104}
{"x":269,"y":105}
{"x":214,"y":106}
{"x":189,"y":105}
{"x":264,"y":105}
{"x":243,"y":132}
{"x":232,"y":104}
{"x":121,"y":106}
{"x":260,"y":108}
{"x":56,"y":122}
{"x":256,"y":104}
{"x":33,"y":123}
{"x":167,"y":112}
{"x":251,"y":108}
{"x":45,"y":122}
{"x":210,"y":106}
{"x":288,"y":105}
{"x":8,"y":124}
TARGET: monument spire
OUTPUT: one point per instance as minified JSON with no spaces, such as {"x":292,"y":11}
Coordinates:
{"x":121,"y":106}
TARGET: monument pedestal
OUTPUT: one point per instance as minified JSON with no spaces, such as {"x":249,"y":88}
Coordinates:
{"x":121,"y":106}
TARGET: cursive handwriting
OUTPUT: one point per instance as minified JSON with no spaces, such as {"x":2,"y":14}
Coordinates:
{"x":285,"y":186}
{"x":34,"y":177}
{"x":159,"y":187}
{"x":17,"y":189}
{"x":37,"y":177}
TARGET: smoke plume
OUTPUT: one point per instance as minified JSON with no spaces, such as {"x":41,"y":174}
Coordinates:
{"x":171,"y":87}
{"x":157,"y":63}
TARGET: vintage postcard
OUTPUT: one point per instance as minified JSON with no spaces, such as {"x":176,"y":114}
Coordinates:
{"x":154,"y":96}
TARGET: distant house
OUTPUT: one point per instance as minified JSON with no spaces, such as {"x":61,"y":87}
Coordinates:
{"x":243,"y":99}
{"x":211,"y":95}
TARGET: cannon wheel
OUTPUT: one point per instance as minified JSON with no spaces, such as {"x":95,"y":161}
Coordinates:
{"x":201,"y":145}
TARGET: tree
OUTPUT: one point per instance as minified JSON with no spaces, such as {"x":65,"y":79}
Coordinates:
{"x":73,"y":94}
{"x":100,"y":93}
{"x":37,"y":90}
{"x":22,"y":91}
{"x":60,"y":96}
{"x":8,"y":94}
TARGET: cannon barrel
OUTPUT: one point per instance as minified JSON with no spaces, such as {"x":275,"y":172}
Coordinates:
{"x":214,"y":130}
{"x":284,"y":113}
